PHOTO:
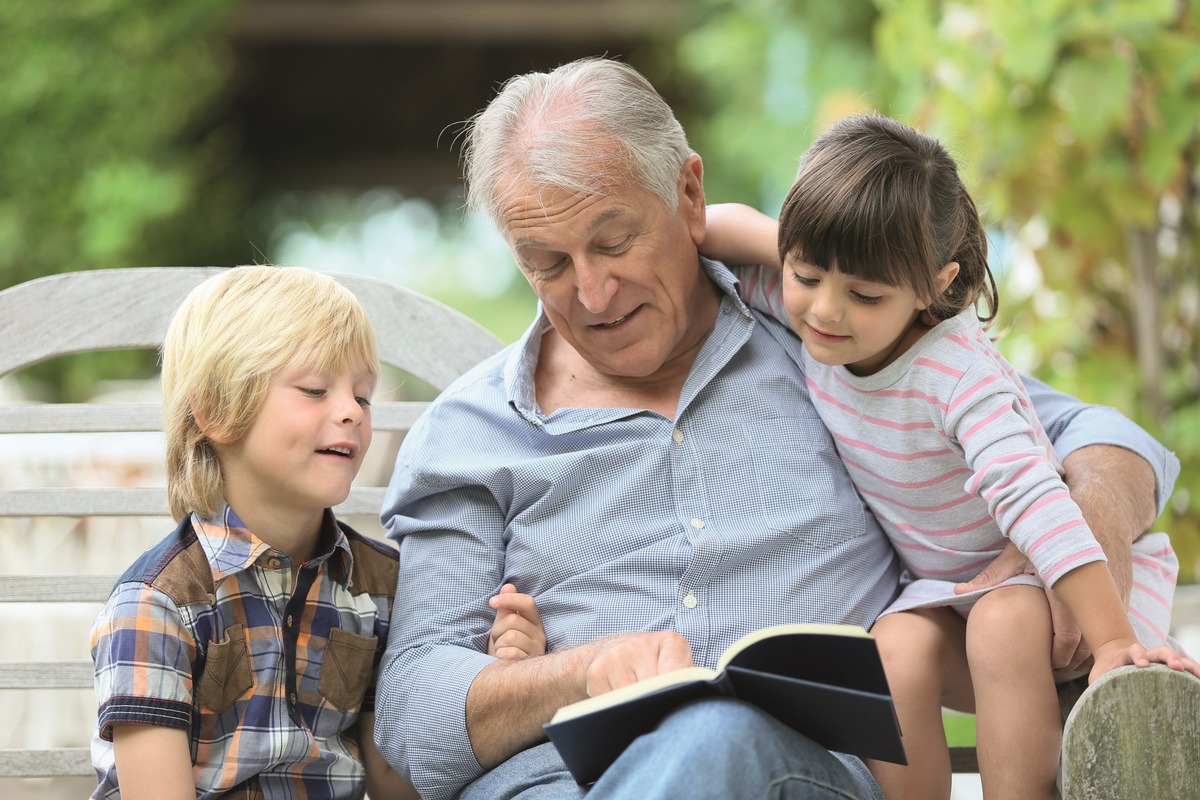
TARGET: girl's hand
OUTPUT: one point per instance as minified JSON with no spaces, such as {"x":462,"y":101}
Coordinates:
{"x":1119,"y":653}
{"x":517,"y":631}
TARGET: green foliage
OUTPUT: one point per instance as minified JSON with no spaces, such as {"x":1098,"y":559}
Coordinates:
{"x":1077,"y":126}
{"x":114,"y":151}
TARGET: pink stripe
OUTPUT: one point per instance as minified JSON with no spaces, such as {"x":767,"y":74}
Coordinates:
{"x":1133,"y":612}
{"x":995,"y":415}
{"x":1153,"y":595}
{"x":990,"y":379}
{"x":1033,"y":462}
{"x":891,"y":501}
{"x":870,"y":448}
{"x":928,"y":399}
{"x":1066,"y":526}
{"x":938,"y":366}
{"x":973,"y":487}
{"x":925,"y":484}
{"x":1152,"y":564}
{"x":979,"y":523}
{"x":1065,"y":564}
{"x":816,"y":391}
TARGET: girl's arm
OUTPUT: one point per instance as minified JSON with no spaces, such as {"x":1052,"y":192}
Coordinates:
{"x":153,"y":762}
{"x":739,"y":234}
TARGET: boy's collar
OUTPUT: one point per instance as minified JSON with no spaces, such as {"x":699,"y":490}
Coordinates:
{"x":231,"y":547}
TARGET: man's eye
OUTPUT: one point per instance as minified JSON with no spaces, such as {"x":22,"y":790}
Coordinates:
{"x":619,"y":247}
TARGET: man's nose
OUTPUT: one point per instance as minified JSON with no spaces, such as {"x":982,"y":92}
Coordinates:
{"x":596,"y":285}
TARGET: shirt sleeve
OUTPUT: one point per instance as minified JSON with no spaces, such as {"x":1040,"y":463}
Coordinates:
{"x":761,"y":288}
{"x":142,"y":652}
{"x":1015,"y":473}
{"x":1071,"y":425}
{"x":452,"y":529}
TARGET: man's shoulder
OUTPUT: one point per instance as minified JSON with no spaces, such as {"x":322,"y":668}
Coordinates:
{"x":176,"y":566}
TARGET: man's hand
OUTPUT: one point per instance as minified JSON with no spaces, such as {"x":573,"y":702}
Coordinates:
{"x":628,"y":658}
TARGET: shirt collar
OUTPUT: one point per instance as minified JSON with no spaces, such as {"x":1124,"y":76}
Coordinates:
{"x":521,"y":363}
{"x":231,"y":547}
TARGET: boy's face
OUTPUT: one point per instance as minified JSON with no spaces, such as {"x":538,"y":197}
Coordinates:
{"x":303,"y":450}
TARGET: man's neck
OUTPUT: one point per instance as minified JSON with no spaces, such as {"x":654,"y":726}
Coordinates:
{"x":564,"y":379}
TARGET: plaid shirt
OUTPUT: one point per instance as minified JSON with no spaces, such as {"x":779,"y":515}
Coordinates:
{"x":207,"y":632}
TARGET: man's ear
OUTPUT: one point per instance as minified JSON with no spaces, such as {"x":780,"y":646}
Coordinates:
{"x":691,"y":197}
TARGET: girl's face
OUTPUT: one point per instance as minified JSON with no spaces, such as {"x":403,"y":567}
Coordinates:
{"x":850,"y":321}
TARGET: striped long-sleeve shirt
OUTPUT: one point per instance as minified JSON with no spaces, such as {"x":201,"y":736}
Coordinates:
{"x":944,"y":446}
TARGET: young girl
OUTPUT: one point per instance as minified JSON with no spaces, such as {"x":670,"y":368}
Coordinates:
{"x":237,"y":657}
{"x":884,"y":259}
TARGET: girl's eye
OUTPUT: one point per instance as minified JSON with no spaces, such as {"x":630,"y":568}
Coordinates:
{"x":804,"y":281}
{"x":866,"y":299}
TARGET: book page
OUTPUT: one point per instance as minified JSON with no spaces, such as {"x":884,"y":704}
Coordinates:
{"x":642,"y":687}
{"x":788,"y":630}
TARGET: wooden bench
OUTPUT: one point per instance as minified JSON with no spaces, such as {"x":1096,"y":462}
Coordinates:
{"x":1135,"y":733}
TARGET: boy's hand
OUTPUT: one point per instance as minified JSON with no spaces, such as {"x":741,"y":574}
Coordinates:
{"x":517,"y":631}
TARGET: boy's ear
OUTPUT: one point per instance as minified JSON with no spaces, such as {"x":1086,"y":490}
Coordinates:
{"x":946,"y":276}
{"x":213,"y":435}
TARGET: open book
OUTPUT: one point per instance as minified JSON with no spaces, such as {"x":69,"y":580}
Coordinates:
{"x":825,"y":681}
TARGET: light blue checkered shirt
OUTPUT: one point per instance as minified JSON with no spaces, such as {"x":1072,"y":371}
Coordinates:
{"x":736,"y":515}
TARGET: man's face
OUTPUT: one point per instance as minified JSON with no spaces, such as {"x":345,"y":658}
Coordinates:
{"x":618,"y":274}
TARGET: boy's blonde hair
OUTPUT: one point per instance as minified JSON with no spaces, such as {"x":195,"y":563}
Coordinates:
{"x":231,"y":336}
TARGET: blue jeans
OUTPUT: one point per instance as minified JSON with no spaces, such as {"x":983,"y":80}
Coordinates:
{"x":720,"y":748}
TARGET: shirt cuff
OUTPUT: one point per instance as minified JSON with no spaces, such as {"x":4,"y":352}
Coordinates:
{"x":143,"y":711}
{"x":432,"y":685}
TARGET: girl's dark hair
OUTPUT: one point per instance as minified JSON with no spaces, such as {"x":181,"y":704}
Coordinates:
{"x":876,"y":200}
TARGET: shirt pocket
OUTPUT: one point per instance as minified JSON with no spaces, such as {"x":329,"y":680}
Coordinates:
{"x":346,"y":668}
{"x":803,"y":488}
{"x":228,"y":673}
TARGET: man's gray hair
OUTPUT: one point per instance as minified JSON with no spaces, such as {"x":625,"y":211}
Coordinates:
{"x":584,"y":127}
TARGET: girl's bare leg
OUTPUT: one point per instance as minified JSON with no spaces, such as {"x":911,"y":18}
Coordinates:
{"x":1018,"y":723}
{"x":923,"y":653}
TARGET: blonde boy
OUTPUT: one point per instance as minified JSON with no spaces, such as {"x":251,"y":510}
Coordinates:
{"x":237,"y":657}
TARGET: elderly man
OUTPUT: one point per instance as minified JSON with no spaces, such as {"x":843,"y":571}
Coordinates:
{"x":645,"y":461}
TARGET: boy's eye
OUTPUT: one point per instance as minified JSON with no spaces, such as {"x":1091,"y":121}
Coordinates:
{"x":363,"y":401}
{"x":313,"y":392}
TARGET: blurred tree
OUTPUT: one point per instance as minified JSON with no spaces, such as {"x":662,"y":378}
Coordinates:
{"x":114,"y":147}
{"x":1077,"y":124}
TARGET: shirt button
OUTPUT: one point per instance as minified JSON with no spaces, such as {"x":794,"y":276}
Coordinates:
{"x":689,"y":600}
{"x":697,"y":523}
{"x":292,"y":698}
{"x":677,"y":435}
{"x":289,"y":620}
